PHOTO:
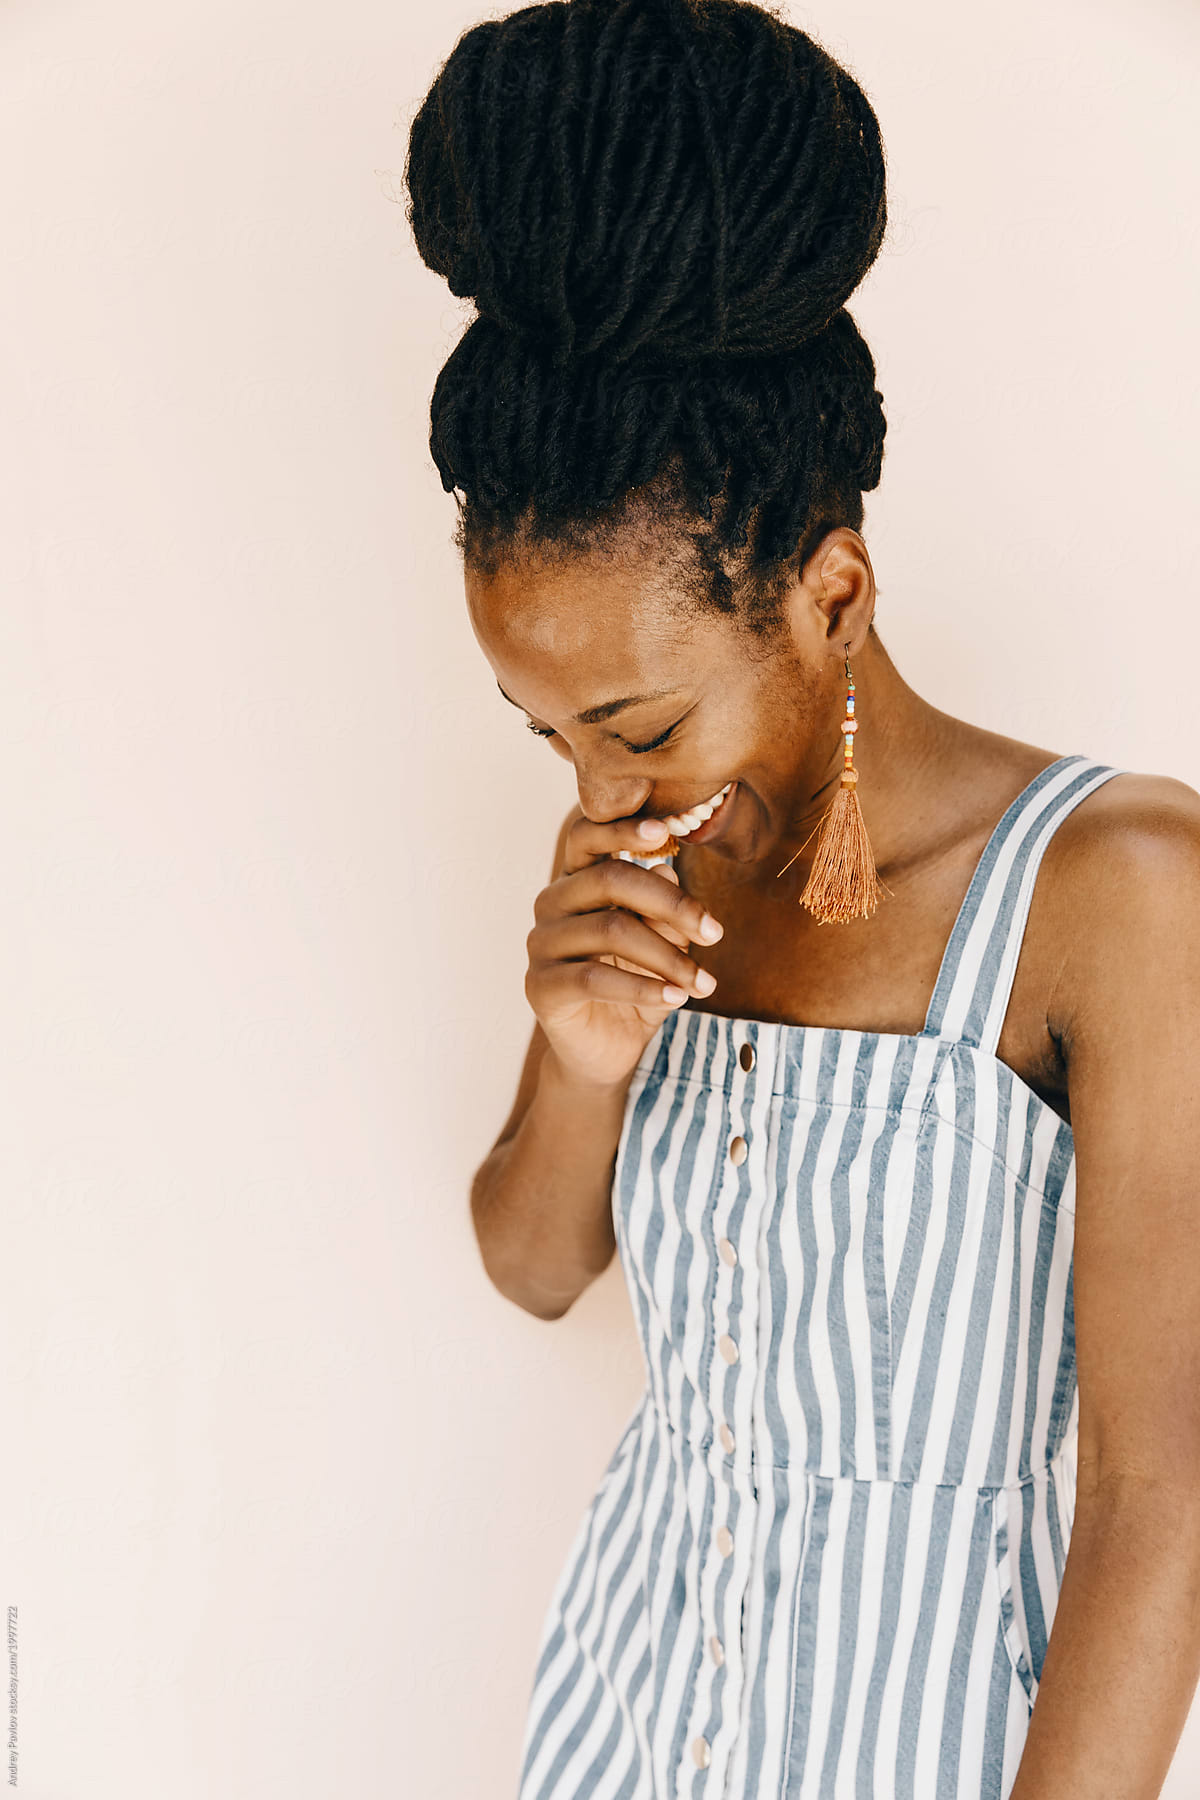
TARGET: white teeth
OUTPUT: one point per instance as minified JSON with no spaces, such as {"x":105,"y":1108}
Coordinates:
{"x":680,"y":824}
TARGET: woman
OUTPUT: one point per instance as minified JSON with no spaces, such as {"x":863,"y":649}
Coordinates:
{"x":827,"y":1551}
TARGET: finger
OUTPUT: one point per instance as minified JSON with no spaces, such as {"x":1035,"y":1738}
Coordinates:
{"x":589,"y":842}
{"x":616,"y":933}
{"x":565,"y":984}
{"x":652,"y":894}
{"x":671,"y":929}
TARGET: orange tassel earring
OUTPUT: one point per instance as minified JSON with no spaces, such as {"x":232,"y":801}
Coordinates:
{"x":843,"y":884}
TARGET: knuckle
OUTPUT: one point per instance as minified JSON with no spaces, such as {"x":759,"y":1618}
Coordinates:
{"x":543,"y":903}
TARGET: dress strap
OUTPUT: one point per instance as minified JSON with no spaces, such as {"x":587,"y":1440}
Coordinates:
{"x":975,"y":980}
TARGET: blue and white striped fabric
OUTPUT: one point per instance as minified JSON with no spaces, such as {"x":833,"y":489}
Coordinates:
{"x":824,"y":1558}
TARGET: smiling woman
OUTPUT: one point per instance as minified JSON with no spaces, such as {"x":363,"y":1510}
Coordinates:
{"x":826,"y":1553}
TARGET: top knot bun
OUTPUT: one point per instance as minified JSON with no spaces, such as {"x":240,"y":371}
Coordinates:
{"x":674,"y":179}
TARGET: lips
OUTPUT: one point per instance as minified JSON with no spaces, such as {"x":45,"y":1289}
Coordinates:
{"x":709,"y":828}
{"x":684,"y":823}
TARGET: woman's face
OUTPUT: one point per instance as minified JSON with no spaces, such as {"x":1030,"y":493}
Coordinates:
{"x":657,"y":709}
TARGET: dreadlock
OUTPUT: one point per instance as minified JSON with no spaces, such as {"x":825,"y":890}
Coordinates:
{"x":659,"y":208}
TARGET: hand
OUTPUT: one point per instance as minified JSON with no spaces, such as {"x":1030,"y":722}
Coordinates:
{"x":599,"y":927}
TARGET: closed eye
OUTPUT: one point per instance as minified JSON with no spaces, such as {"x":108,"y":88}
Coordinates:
{"x":637,"y":749}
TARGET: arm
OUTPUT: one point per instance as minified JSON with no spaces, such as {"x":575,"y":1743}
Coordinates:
{"x":541,"y":1202}
{"x":1123,"y":1660}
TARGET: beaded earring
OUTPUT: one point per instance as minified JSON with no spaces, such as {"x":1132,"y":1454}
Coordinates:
{"x":843,"y":884}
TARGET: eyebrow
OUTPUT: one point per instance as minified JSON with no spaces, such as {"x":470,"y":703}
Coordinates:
{"x":595,"y":715}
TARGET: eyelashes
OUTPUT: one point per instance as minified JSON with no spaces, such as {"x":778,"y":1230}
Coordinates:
{"x":657,"y":743}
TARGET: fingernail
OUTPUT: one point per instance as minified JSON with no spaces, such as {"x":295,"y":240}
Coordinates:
{"x":710,"y":929}
{"x":651,"y":828}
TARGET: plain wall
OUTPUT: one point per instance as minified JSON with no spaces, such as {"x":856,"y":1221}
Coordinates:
{"x":286,"y":1483}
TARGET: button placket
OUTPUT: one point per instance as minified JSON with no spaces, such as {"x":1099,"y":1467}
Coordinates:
{"x":734,"y":1487}
{"x":735,"y":1221}
{"x":724,"y":1285}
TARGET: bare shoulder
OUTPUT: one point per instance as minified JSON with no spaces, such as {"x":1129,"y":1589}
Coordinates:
{"x":1134,"y":824}
{"x":1123,"y":869}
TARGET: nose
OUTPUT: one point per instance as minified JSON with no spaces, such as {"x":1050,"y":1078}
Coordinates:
{"x":603,"y":801}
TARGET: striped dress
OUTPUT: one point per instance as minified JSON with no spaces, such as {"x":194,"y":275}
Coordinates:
{"x":823,"y":1560}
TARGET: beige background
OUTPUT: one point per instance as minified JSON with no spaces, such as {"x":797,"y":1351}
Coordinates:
{"x":285,"y":1482}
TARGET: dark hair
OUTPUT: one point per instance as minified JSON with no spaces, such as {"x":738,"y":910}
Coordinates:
{"x":659,"y":208}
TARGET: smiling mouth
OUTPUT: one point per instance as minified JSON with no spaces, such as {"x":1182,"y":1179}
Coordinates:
{"x":700,"y":823}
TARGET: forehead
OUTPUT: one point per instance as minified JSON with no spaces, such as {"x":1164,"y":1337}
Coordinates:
{"x":562,"y":637}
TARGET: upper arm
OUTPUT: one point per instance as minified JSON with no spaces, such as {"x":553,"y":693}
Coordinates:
{"x":1130,"y":1031}
{"x":527,"y":1086}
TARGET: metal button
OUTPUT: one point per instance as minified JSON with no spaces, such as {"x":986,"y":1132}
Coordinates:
{"x":727,"y":1347}
{"x":725,"y":1540}
{"x":746,"y":1056}
{"x":701,"y":1752}
{"x":726,"y":1437}
{"x":737,"y":1150}
{"x":717,"y":1648}
{"x":726,"y":1251}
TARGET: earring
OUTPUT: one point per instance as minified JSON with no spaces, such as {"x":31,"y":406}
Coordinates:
{"x":843,"y":884}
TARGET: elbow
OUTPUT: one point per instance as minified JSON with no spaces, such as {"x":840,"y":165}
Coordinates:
{"x":507,"y":1269}
{"x":541,"y":1307}
{"x":539,"y":1302}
